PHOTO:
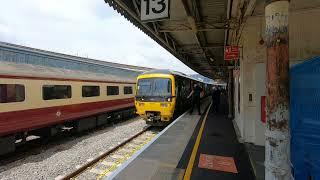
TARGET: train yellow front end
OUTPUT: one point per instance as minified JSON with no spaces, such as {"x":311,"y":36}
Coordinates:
{"x":155,"y":98}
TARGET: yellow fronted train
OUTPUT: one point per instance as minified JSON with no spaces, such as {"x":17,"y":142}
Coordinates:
{"x":162,"y":95}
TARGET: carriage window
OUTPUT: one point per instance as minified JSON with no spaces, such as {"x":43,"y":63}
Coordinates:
{"x":112,"y":90}
{"x":127,"y":90}
{"x":50,"y":92}
{"x":90,"y":91}
{"x":11,"y":93}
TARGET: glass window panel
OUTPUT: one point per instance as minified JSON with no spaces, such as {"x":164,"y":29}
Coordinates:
{"x":50,"y":92}
{"x":127,"y":90}
{"x":154,"y":87}
{"x":90,"y":91}
{"x":112,"y":90}
{"x":12,"y":93}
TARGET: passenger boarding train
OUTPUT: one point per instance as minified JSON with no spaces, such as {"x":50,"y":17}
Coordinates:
{"x":41,"y":100}
{"x":162,"y":95}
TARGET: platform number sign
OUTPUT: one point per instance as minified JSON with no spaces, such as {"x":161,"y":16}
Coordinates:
{"x":153,"y":10}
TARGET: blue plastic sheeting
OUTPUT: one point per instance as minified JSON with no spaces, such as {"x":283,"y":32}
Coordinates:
{"x":305,"y":119}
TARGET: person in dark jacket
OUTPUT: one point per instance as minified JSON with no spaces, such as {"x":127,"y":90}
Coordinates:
{"x":196,"y":95}
{"x":216,"y":99}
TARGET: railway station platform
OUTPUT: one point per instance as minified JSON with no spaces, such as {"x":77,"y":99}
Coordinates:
{"x":192,"y":147}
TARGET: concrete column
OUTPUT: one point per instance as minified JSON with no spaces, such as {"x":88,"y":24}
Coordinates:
{"x":230,"y":93}
{"x":277,"y":155}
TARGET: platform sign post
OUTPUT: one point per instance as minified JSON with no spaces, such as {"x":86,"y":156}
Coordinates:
{"x":154,"y":10}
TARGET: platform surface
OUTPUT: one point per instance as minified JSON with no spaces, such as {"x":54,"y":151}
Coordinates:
{"x":219,"y":140}
{"x":169,"y":156}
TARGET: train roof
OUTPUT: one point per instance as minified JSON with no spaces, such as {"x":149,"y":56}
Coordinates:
{"x":21,"y":50}
{"x":167,"y":71}
{"x":26,"y":55}
{"x":28,"y":70}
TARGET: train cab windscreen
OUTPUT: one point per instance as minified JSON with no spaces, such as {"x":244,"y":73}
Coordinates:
{"x":154,"y":89}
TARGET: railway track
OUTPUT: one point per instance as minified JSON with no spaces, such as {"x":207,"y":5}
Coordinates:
{"x":109,"y":161}
{"x":36,"y":144}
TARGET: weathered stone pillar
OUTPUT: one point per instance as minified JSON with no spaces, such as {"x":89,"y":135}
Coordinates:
{"x":277,"y":155}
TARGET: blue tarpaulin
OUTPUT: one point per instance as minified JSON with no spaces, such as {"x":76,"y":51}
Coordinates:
{"x":305,"y":119}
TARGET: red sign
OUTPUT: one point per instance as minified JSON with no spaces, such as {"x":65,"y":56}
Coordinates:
{"x":231,"y":53}
{"x":218,"y":163}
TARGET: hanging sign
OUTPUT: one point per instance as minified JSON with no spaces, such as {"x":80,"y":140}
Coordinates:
{"x":231,"y":53}
{"x":153,"y":10}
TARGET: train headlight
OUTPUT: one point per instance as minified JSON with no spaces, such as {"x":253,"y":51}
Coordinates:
{"x":164,"y":105}
{"x":169,"y":99}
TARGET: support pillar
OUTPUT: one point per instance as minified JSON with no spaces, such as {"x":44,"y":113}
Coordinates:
{"x":230,"y":93}
{"x":277,"y":155}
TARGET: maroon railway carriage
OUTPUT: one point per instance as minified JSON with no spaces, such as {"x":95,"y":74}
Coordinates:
{"x":37,"y":100}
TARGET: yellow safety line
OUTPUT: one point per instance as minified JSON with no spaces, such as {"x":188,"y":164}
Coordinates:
{"x":187,"y":175}
{"x":126,"y":156}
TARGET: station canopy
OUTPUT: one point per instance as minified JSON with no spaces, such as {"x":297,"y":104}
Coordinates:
{"x":195,"y":31}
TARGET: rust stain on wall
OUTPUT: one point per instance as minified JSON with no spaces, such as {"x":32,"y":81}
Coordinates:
{"x":281,"y":125}
{"x":277,"y":68}
{"x":277,"y":75}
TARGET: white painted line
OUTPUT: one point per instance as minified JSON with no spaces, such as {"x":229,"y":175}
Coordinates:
{"x":96,"y":171}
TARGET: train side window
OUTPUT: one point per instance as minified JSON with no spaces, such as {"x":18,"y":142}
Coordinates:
{"x":90,"y":91}
{"x":112,"y":90}
{"x":12,"y":93}
{"x":50,"y":92}
{"x":127,"y":90}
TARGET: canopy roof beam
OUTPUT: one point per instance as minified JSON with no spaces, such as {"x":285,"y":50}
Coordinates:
{"x":193,"y":19}
{"x":180,"y":26}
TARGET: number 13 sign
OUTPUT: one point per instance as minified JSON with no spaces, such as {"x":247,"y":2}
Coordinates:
{"x":152,"y":10}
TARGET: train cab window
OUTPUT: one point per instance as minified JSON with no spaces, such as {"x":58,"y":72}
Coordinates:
{"x":112,"y":90}
{"x":12,"y":93}
{"x":155,"y":87}
{"x":50,"y":92}
{"x":127,"y":90}
{"x":90,"y":91}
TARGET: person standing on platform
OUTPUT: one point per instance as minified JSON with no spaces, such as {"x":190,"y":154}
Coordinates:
{"x":196,"y":95}
{"x":216,"y":99}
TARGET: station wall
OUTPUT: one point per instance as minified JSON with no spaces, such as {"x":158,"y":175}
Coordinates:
{"x":303,"y":43}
